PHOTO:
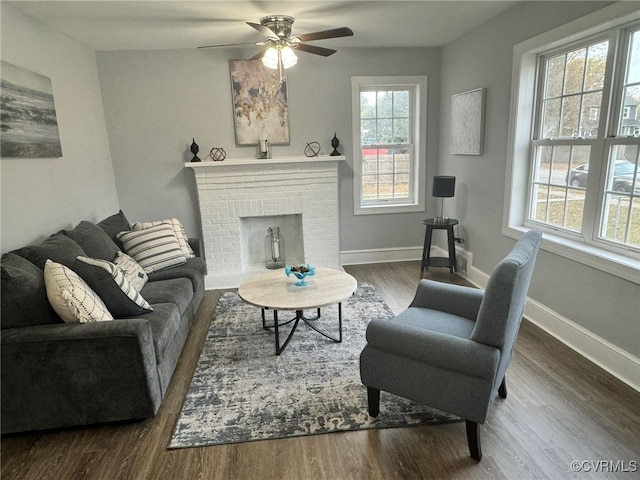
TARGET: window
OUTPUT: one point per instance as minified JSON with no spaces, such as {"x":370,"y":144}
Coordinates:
{"x":568,"y":119}
{"x":568,"y":138}
{"x":575,"y":164}
{"x":387,"y":117}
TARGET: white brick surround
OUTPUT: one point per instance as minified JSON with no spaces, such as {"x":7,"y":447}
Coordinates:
{"x":237,"y":188}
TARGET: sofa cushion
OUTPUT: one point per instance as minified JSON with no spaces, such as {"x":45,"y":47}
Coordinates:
{"x":164,"y":322}
{"x":193,"y":269}
{"x":111,"y":285}
{"x":115,"y":224}
{"x":94,"y":240}
{"x":135,"y":274}
{"x":58,"y":248}
{"x":71,"y":297}
{"x":153,"y":248}
{"x":24,"y":297}
{"x":178,"y":230}
{"x":175,"y":290}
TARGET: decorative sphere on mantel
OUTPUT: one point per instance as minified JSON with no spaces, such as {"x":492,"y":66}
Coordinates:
{"x":217,"y":154}
{"x":312,"y":149}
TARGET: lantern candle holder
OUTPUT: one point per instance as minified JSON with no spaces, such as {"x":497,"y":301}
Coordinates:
{"x":273,"y":249}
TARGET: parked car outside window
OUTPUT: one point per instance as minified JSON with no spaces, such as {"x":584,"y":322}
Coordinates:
{"x":622,"y":177}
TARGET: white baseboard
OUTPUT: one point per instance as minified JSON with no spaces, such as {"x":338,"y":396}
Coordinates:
{"x":616,"y":361}
{"x":381,"y":255}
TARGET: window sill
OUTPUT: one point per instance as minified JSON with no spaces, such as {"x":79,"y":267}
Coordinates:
{"x":618,"y":265}
{"x":384,"y":209}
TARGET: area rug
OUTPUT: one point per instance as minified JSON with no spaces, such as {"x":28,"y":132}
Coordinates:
{"x":241,"y":391}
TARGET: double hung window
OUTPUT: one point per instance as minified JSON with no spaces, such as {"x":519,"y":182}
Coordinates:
{"x":584,"y":166}
{"x":387,"y":117}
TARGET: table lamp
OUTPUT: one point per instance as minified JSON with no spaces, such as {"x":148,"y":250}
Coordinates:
{"x":443,"y":186}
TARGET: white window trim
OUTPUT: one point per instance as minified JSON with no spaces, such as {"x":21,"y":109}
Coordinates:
{"x":419,"y":134}
{"x":520,"y":123}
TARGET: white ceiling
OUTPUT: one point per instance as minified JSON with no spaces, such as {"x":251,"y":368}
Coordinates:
{"x":160,"y":24}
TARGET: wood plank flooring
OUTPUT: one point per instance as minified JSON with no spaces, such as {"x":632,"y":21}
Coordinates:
{"x":560,"y":409}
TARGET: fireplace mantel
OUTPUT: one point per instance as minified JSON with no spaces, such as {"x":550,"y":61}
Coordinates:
{"x":233,"y":190}
{"x":230,"y":162}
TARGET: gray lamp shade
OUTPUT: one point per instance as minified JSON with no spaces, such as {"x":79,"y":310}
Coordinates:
{"x":444,"y":186}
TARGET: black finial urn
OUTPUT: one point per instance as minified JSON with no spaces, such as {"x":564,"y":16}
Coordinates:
{"x":335,"y":143}
{"x":195,"y":149}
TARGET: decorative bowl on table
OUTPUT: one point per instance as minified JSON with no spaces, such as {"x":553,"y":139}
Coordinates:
{"x":300,"y":272}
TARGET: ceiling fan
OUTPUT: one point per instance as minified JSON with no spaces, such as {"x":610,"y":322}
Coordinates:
{"x":280,"y":43}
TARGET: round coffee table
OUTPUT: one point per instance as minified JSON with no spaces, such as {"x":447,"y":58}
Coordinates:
{"x":275,"y":291}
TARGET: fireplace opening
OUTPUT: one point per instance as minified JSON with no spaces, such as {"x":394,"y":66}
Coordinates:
{"x":253,"y":231}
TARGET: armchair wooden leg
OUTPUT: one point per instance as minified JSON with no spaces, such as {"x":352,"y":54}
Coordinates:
{"x":373,"y":397}
{"x":502,"y":389}
{"x":473,"y":439}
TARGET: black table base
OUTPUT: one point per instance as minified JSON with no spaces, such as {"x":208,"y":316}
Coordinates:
{"x":299,"y":316}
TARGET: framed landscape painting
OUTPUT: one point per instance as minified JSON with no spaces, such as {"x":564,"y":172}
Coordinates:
{"x":28,"y":126}
{"x":259,"y":103}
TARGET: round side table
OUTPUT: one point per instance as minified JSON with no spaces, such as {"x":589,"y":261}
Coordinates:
{"x":427,"y":259}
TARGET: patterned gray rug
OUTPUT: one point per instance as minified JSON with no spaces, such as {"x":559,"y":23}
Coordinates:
{"x":241,"y":391}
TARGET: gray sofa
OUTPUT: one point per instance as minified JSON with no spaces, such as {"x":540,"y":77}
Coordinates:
{"x":57,"y":374}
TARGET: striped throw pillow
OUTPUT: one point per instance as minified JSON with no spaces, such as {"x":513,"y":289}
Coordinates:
{"x":178,"y":230}
{"x":153,"y":248}
{"x":111,"y":285}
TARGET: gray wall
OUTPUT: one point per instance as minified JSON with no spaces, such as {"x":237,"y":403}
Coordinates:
{"x":157,"y":101}
{"x":40,"y":196}
{"x":607,"y":305}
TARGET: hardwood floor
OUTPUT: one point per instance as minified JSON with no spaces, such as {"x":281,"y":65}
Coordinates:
{"x":560,"y":409}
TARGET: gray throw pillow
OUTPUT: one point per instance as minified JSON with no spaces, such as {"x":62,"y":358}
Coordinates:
{"x":94,"y":240}
{"x":58,"y":248}
{"x":115,"y":224}
{"x":24,"y":297}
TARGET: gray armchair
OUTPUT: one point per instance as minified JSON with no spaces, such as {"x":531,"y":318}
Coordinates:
{"x":451,"y":348}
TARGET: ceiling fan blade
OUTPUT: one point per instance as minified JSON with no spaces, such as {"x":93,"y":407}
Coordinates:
{"x":266,"y":31}
{"x":334,"y":33}
{"x":234,"y":44}
{"x":325,"y":52}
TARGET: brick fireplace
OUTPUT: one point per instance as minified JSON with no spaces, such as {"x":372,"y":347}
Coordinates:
{"x":234,"y":190}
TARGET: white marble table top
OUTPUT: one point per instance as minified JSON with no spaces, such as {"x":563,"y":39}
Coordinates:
{"x":276,"y":291}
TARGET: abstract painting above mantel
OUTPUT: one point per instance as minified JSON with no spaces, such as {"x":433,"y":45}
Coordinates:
{"x":260,"y":109}
{"x":28,"y":124}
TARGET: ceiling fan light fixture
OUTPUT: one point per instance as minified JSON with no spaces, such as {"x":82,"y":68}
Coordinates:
{"x":276,"y":54}
{"x":281,"y":43}
{"x":270,"y":58}
{"x":289,"y":59}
